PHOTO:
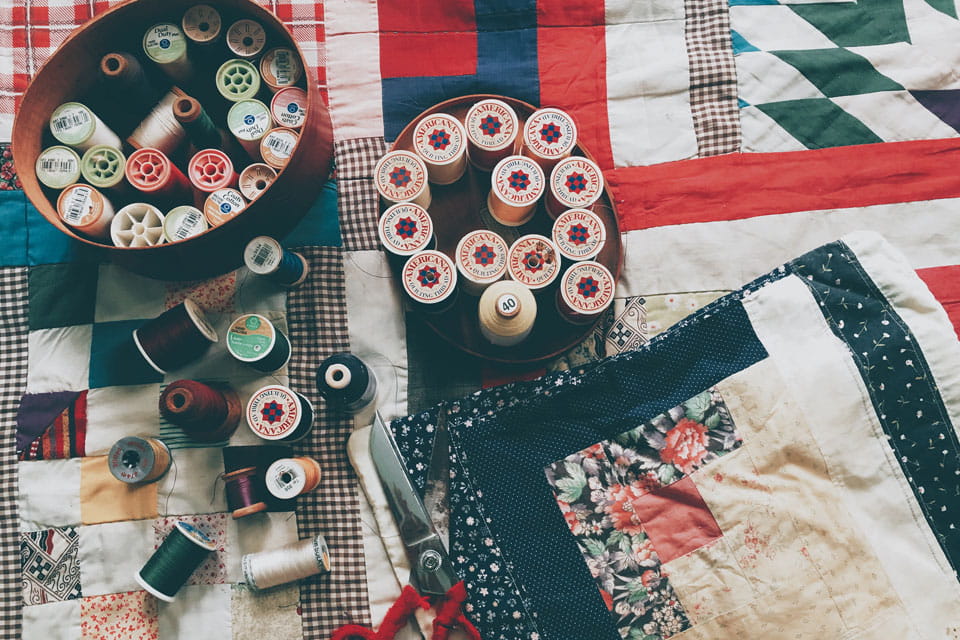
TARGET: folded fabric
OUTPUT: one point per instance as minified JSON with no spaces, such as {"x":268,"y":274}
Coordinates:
{"x":782,"y":464}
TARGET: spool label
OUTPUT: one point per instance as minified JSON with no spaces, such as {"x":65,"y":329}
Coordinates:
{"x":405,"y":229}
{"x":262,"y":255}
{"x":429,"y":277}
{"x":285,"y":479}
{"x":576,"y":182}
{"x":249,"y":119}
{"x":277,"y":146}
{"x":273,"y":412}
{"x":508,"y":305}
{"x":550,"y":133}
{"x":587,"y":288}
{"x":250,"y":337}
{"x":533,"y":261}
{"x":280,"y":67}
{"x":131,"y":459}
{"x":579,"y":234}
{"x":58,"y":167}
{"x":400,"y":176}
{"x":183,"y":222}
{"x":221,"y":205}
{"x":164,"y":42}
{"x":80,"y":205}
{"x":196,"y":536}
{"x":482,"y":256}
{"x":491,"y":125}
{"x":72,"y":123}
{"x":289,"y":107}
{"x":518,"y":181}
{"x":439,"y":139}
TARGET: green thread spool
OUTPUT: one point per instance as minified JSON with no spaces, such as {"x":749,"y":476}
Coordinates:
{"x":103,"y":166}
{"x":174,"y":562}
{"x":198,"y":124}
{"x":238,"y":80}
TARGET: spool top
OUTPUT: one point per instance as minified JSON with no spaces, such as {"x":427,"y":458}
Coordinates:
{"x":237,"y":80}
{"x":201,"y":23}
{"x":285,"y":479}
{"x":131,"y":459}
{"x":80,"y":206}
{"x":164,"y":43}
{"x":405,"y":229}
{"x":255,"y":178}
{"x":508,"y":305}
{"x":195,"y":536}
{"x":137,"y":225}
{"x":249,"y":119}
{"x":58,"y":167}
{"x":587,"y":288}
{"x":210,"y":170}
{"x":576,"y":182}
{"x":280,"y":67}
{"x":274,"y":412}
{"x":72,"y":123}
{"x":251,"y":337}
{"x":533,"y":261}
{"x":429,"y":277}
{"x":221,"y":205}
{"x":579,"y":234}
{"x":103,"y":166}
{"x":517,"y":181}
{"x":481,"y":256}
{"x":439,"y":139}
{"x":183,"y":222}
{"x":277,"y":146}
{"x":148,"y":169}
{"x":246,"y":38}
{"x":549,"y":133}
{"x":491,"y":125}
{"x":400,"y":176}
{"x":289,"y":107}
{"x":343,"y":378}
{"x":199,"y":319}
{"x":263,"y":255}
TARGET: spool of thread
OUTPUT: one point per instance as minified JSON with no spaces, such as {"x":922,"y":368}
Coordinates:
{"x":430,"y":280}
{"x":103,"y":167}
{"x":265,"y":257}
{"x":507,"y":313}
{"x":279,"y":413}
{"x":127,"y":81}
{"x":534,"y":262}
{"x":280,"y":68}
{"x":585,"y":292}
{"x":238,"y":80}
{"x":160,"y":130}
{"x":255,"y":179}
{"x":575,"y":183}
{"x":206,"y":413}
{"x":86,"y":210}
{"x":75,"y":125}
{"x":492,"y":127}
{"x":405,"y":229}
{"x":516,"y":185}
{"x":183,"y":222}
{"x":579,"y":234}
{"x":401,"y":176}
{"x":202,"y":24}
{"x":243,"y":492}
{"x":549,"y":136}
{"x":481,"y":259}
{"x":246,"y":38}
{"x":289,"y":107}
{"x":176,"y":337}
{"x":277,"y":146}
{"x":136,"y":460}
{"x":441,"y":142}
{"x":222,"y":205}
{"x":249,"y":121}
{"x":149,"y":170}
{"x":170,"y":566}
{"x":211,"y":170}
{"x":57,"y":167}
{"x":296,"y":561}
{"x":259,"y":457}
{"x":137,"y":225}
{"x":197,"y":123}
{"x":346,"y":382}
{"x":253,"y":340}
{"x":292,"y":477}
{"x":165,"y":44}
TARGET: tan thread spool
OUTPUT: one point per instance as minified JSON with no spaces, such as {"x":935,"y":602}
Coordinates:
{"x":516,"y":185}
{"x":136,"y":460}
{"x":280,"y":68}
{"x":291,"y":477}
{"x":549,"y":136}
{"x":507,"y":313}
{"x":575,"y":183}
{"x":255,"y":179}
{"x":492,"y":127}
{"x":86,"y":210}
{"x":441,"y":142}
{"x":481,"y":259}
{"x":401,"y":176}
{"x":277,"y":146}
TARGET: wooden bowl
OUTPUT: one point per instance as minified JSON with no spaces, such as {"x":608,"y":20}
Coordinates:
{"x":68,"y":74}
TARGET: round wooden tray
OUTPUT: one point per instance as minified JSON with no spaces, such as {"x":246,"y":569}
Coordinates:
{"x":459,"y":208}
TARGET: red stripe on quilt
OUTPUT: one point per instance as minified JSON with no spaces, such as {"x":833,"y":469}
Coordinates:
{"x":427,"y":38}
{"x":944,"y":283}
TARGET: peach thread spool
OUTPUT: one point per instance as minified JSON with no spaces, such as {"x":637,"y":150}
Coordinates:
{"x":492,"y":128}
{"x":150,"y":171}
{"x":401,"y":176}
{"x":516,"y":185}
{"x":291,"y":477}
{"x":441,"y":142}
{"x":223,"y":205}
{"x":211,"y":170}
{"x":280,"y":68}
{"x":86,"y":211}
{"x":575,"y":183}
{"x":481,"y":259}
{"x":289,"y":107}
{"x":579,"y":234}
{"x":549,"y":136}
{"x":534,"y":262}
{"x":586,"y":290}
{"x":277,"y":146}
{"x":255,"y":179}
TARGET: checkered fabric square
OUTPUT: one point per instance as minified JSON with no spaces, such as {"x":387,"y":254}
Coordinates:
{"x":358,"y":200}
{"x":317,"y":317}
{"x":13,"y":375}
{"x":713,"y":77}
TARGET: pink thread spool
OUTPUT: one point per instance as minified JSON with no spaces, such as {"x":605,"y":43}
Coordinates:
{"x":289,"y":107}
{"x":492,"y":127}
{"x":150,"y":171}
{"x":211,"y":170}
{"x":575,"y":183}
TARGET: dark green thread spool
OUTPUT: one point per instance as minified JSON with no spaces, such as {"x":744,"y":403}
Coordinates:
{"x":174,"y":562}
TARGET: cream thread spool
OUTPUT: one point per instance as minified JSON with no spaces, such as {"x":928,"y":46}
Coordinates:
{"x":534,"y":262}
{"x":277,"y":146}
{"x":586,"y":290}
{"x":165,"y":44}
{"x":492,"y":127}
{"x":238,"y":80}
{"x":289,"y":107}
{"x":549,"y":136}
{"x":75,"y":125}
{"x":255,"y":179}
{"x":288,"y":478}
{"x":249,"y":121}
{"x":202,"y":24}
{"x":137,"y":225}
{"x":430,"y":280}
{"x":516,"y":185}
{"x":86,"y":210}
{"x":223,"y":205}
{"x":481,"y":259}
{"x":404,"y":229}
{"x":246,"y":38}
{"x":575,"y":183}
{"x":160,"y":129}
{"x":441,"y":142}
{"x":302,"y":559}
{"x":507,"y":312}
{"x":401,"y":176}
{"x":183,"y":222}
{"x":57,"y":167}
{"x":280,"y":68}
{"x":579,"y":234}
{"x":279,"y":413}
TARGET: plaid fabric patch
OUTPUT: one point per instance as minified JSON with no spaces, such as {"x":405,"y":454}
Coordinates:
{"x":713,"y":77}
{"x":13,"y":376}
{"x":317,"y":317}
{"x":359,"y":203}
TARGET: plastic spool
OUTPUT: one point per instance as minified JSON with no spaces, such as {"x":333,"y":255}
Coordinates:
{"x":302,"y":559}
{"x":277,"y":146}
{"x":183,"y":222}
{"x":75,"y":125}
{"x":289,"y":107}
{"x":202,"y":24}
{"x":137,"y":225}
{"x":288,"y":478}
{"x":253,"y":340}
{"x":405,"y":229}
{"x":533,"y":261}
{"x":586,"y":291}
{"x":575,"y":183}
{"x":441,"y":142}
{"x":170,"y":566}
{"x":243,"y":492}
{"x":492,"y":128}
{"x":265,"y":257}
{"x":278,"y":413}
{"x":206,"y":413}
{"x":222,"y":205}
{"x":57,"y":167}
{"x":149,"y":170}
{"x":160,"y":130}
{"x":246,"y":38}
{"x":238,"y":80}
{"x":249,"y":121}
{"x":176,"y":337}
{"x":103,"y":166}
{"x":136,"y":460}
{"x":165,"y":44}
{"x":86,"y":210}
{"x":579,"y":234}
{"x":516,"y":185}
{"x":280,"y":68}
{"x":481,"y":259}
{"x":430,"y":280}
{"x":507,"y":312}
{"x":255,"y":179}
{"x":346,"y":382}
{"x":211,"y":170}
{"x":197,"y":124}
{"x":549,"y":136}
{"x":401,"y":176}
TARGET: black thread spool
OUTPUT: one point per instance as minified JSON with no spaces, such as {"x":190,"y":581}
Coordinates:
{"x":255,"y":341}
{"x":244,"y":496}
{"x":176,"y":337}
{"x":279,"y":413}
{"x":346,"y":382}
{"x":174,"y":562}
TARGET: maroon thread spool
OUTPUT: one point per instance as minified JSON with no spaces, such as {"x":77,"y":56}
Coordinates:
{"x":205,"y":413}
{"x":176,"y":337}
{"x":243,"y":492}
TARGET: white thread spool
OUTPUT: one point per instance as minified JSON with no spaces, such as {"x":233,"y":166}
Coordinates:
{"x":302,"y":559}
{"x":58,"y":167}
{"x":288,"y":478}
{"x":507,"y":313}
{"x":492,"y":127}
{"x":246,"y":38}
{"x":481,"y":259}
{"x":575,"y":183}
{"x":137,"y":225}
{"x":75,"y":125}
{"x":183,"y":222}
{"x":255,"y":179}
{"x":441,"y":142}
{"x":585,"y":292}
{"x":249,"y":121}
{"x":401,"y":176}
{"x":516,"y":185}
{"x":160,"y":129}
{"x":549,"y":136}
{"x":86,"y":210}
{"x":579,"y":234}
{"x":165,"y":44}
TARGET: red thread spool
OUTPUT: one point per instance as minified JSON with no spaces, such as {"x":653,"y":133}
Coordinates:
{"x":211,"y":170}
{"x":205,"y":413}
{"x":177,"y":336}
{"x":243,"y":492}
{"x":150,"y":171}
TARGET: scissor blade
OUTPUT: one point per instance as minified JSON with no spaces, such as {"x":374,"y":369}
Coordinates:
{"x":437,"y":496}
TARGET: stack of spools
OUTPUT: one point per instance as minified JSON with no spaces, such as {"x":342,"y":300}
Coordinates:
{"x":177,"y":136}
{"x":529,"y":162}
